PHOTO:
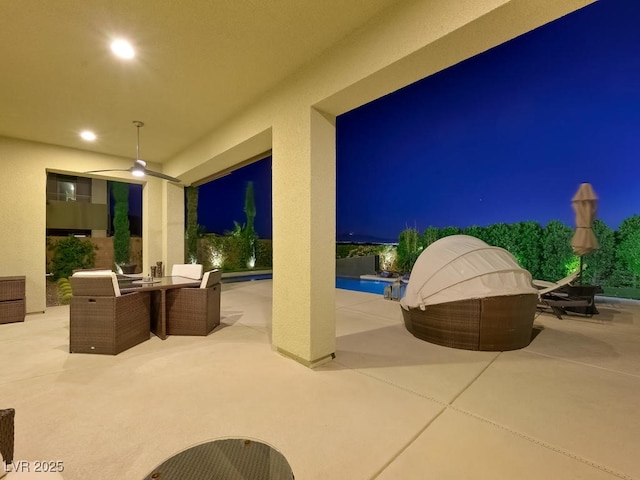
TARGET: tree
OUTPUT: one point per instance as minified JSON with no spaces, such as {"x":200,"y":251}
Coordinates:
{"x":250,"y":236}
{"x":121,"y":233}
{"x":557,"y":254}
{"x":408,"y":249}
{"x":500,"y":235}
{"x":628,"y":251}
{"x":527,"y":247}
{"x":475,"y":231}
{"x":249,"y":206}
{"x":448,"y":231}
{"x":245,"y":234}
{"x":600,"y":263}
{"x":429,"y":236}
{"x":192,"y":223}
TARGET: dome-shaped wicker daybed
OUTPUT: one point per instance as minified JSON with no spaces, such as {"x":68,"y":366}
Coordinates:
{"x":463,"y":293}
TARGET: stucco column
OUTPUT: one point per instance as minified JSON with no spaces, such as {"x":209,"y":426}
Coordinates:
{"x":304,"y":218}
{"x":162,"y":224}
{"x":173,"y":219}
{"x":99,"y":194}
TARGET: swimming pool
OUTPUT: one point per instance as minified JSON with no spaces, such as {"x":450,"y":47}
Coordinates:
{"x":359,"y":285}
{"x":345,"y":283}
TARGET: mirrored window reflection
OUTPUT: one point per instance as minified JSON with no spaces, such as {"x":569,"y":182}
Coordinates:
{"x":68,"y":188}
{"x":66,"y":191}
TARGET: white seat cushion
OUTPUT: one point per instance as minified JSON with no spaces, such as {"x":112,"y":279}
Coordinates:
{"x":189,"y":270}
{"x":214,"y":275}
{"x":101,"y":273}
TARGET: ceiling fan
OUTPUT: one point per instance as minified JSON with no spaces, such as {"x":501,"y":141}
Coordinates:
{"x":139,"y":167}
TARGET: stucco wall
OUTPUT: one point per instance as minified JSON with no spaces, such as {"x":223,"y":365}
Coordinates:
{"x":23,"y":206}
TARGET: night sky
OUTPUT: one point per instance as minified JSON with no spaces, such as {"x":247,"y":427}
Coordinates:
{"x":505,"y":136}
{"x":221,"y":202}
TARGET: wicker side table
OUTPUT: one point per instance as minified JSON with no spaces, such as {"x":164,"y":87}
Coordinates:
{"x":12,"y":299}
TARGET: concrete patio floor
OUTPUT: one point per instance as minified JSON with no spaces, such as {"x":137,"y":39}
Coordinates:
{"x":389,"y":406}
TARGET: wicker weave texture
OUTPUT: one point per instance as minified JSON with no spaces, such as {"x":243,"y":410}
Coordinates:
{"x":12,"y":311}
{"x":193,"y":311}
{"x":12,"y":288}
{"x":108,"y":325}
{"x":489,"y":324}
{"x":7,"y":417}
{"x":92,"y":286}
{"x":507,"y":322}
{"x":12,"y":299}
{"x":454,"y":324}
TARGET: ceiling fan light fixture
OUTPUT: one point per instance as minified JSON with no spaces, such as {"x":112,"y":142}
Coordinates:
{"x":138,"y":169}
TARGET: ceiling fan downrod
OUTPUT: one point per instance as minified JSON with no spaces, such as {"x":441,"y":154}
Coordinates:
{"x":138,"y":124}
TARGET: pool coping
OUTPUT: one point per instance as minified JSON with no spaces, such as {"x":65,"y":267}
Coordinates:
{"x":380,"y":279}
{"x":247,"y":273}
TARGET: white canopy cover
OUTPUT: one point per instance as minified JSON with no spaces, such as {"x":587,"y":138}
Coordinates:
{"x":460,"y":267}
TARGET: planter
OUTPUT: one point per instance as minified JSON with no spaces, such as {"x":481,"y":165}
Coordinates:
{"x":130,"y":268}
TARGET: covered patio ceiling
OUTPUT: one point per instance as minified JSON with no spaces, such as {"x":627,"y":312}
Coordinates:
{"x":198,"y":63}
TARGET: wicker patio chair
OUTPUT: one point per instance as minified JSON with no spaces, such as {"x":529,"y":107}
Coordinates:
{"x":195,"y":311}
{"x":102,"y":320}
{"x":6,"y":434}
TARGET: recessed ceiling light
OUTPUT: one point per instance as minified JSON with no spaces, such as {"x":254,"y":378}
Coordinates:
{"x":88,"y":135}
{"x":122,"y":48}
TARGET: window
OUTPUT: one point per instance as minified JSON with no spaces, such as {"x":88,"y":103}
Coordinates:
{"x":68,"y":188}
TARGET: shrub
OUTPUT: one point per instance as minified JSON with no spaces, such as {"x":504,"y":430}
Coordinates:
{"x":408,"y":249}
{"x":628,"y":252}
{"x":600,"y":263}
{"x":69,"y":254}
{"x":264,"y":254}
{"x":343,"y":249}
{"x":64,"y":291}
{"x":556,"y":250}
{"x":364,"y":250}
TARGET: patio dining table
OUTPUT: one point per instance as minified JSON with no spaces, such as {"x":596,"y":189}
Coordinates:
{"x":157,"y":288}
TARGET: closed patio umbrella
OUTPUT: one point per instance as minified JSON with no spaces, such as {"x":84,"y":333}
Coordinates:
{"x":585,"y":205}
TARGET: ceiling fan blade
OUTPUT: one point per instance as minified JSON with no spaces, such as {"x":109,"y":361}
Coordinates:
{"x":139,"y":166}
{"x":161,"y":175}
{"x":110,"y":170}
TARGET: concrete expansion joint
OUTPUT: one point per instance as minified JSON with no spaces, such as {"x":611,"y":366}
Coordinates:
{"x":543,"y":444}
{"x":585,"y":364}
{"x":528,"y":438}
{"x":392,"y":384}
{"x":449,"y":406}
